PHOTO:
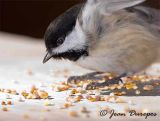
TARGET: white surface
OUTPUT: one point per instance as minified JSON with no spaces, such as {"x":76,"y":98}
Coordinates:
{"x":19,"y":55}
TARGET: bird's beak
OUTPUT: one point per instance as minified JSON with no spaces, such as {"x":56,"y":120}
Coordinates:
{"x":47,"y":57}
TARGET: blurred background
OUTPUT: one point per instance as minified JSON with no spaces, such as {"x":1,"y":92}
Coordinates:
{"x":31,"y":17}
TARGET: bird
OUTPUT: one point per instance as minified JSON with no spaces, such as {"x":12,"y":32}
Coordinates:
{"x":116,"y":36}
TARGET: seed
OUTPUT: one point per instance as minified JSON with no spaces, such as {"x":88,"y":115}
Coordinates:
{"x":112,"y":94}
{"x":3,"y":103}
{"x":138,"y":92}
{"x":77,"y":99}
{"x":118,"y":93}
{"x":135,"y":87}
{"x":74,"y":91}
{"x":9,"y":102}
{"x":43,"y":94}
{"x":33,"y":89}
{"x":14,"y":92}
{"x":46,"y":103}
{"x":30,"y":96}
{"x":129,"y":86}
{"x":67,"y":105}
{"x":73,"y":114}
{"x":24,"y":94}
{"x":8,"y":91}
{"x":5,"y":109}
{"x":60,"y":88}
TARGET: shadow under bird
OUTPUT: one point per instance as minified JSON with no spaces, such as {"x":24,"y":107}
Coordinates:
{"x":117,"y":36}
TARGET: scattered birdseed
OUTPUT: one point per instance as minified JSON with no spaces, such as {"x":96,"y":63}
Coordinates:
{"x":35,"y":94}
{"x":77,"y":93}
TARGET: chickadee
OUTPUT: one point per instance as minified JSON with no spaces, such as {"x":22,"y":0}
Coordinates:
{"x":117,"y":36}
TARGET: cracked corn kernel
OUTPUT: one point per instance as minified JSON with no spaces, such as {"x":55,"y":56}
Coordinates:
{"x":90,"y":98}
{"x":43,"y":94}
{"x":129,"y":86}
{"x":14,"y":92}
{"x":8,"y":91}
{"x":60,"y":88}
{"x":118,"y":93}
{"x":67,"y":105}
{"x":33,"y":89}
{"x":77,"y":99}
{"x":73,"y":114}
{"x":24,"y":94}
{"x":74,"y":91}
{"x":4,"y":109}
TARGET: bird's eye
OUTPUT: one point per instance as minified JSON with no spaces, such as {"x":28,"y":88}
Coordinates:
{"x":60,"y":41}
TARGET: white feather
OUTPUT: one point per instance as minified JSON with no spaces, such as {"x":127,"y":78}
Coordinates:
{"x":74,"y":41}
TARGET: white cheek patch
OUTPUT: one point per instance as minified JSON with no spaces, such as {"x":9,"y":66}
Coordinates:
{"x":74,"y":41}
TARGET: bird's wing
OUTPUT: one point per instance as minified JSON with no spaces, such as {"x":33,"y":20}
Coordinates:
{"x":94,"y":10}
{"x":150,"y":15}
{"x":111,"y":6}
